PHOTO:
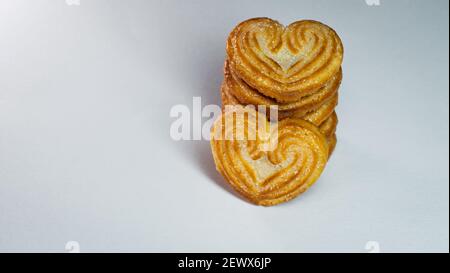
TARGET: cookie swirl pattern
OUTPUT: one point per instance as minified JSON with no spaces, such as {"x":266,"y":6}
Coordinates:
{"x":284,"y":63}
{"x":273,"y":177}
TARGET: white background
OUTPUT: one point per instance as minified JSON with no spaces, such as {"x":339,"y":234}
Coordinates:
{"x":86,"y":155}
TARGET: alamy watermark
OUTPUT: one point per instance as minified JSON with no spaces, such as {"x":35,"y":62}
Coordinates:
{"x":73,"y":247}
{"x":373,"y":2}
{"x":373,"y":247}
{"x":73,"y":2}
{"x":241,"y":122}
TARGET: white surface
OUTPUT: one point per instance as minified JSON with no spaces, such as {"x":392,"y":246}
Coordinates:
{"x":86,"y":156}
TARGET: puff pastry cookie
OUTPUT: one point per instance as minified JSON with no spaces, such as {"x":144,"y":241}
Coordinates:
{"x":332,"y":141}
{"x":316,"y":117}
{"x":271,"y":177}
{"x":245,"y":94}
{"x":328,"y":128}
{"x":284,"y":63}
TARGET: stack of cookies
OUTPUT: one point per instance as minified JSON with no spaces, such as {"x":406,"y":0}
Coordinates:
{"x":296,"y":68}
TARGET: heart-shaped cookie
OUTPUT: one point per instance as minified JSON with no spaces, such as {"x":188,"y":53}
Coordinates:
{"x":317,"y":116}
{"x":285,"y":63}
{"x":248,"y":95}
{"x":328,"y":127}
{"x":332,"y":141}
{"x":267,"y":177}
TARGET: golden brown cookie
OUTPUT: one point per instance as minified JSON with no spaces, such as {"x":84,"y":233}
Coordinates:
{"x":227,"y":97}
{"x":264,"y":177}
{"x":248,"y":95}
{"x":332,"y":141}
{"x":285,"y":63}
{"x":328,"y":127}
{"x":318,"y":116}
